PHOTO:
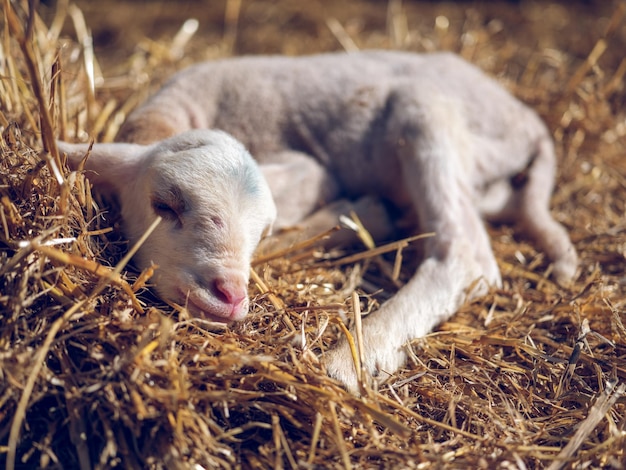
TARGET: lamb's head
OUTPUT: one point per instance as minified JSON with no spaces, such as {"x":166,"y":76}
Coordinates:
{"x":215,"y":205}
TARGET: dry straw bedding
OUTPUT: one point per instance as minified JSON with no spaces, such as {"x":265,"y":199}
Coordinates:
{"x":94,"y":372}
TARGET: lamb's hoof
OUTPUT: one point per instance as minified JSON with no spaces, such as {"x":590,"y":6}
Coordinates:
{"x":565,"y":268}
{"x":379,"y":364}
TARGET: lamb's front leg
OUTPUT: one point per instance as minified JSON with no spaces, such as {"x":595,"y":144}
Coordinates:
{"x":306,"y":197}
{"x":299,"y":185}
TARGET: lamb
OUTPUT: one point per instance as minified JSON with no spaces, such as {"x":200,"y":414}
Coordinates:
{"x":432,"y":136}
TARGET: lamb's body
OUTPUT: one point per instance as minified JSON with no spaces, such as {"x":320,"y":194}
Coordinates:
{"x":430,"y":134}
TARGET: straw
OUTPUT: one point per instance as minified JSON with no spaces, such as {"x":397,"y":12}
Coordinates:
{"x":97,"y":372}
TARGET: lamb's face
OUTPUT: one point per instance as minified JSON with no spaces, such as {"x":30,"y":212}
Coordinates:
{"x":215,"y":206}
{"x":214,"y":203}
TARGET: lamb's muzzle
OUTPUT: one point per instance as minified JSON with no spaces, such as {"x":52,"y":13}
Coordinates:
{"x":225,"y":300}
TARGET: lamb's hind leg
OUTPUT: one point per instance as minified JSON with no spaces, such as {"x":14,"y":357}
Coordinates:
{"x":533,"y":200}
{"x":524,"y":200}
{"x":429,"y":152}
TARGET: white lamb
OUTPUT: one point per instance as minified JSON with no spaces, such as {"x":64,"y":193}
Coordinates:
{"x":430,"y":135}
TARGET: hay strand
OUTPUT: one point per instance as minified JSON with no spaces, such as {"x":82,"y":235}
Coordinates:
{"x":601,"y":407}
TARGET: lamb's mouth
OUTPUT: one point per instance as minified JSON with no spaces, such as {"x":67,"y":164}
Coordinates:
{"x":207,"y":307}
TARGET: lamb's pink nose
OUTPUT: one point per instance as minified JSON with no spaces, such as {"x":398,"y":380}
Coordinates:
{"x":231,"y":290}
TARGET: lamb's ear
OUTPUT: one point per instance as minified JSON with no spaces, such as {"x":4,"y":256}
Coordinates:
{"x":108,"y":166}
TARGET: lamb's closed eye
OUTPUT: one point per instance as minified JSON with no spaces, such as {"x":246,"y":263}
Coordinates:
{"x":169,"y":205}
{"x":164,"y":210}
